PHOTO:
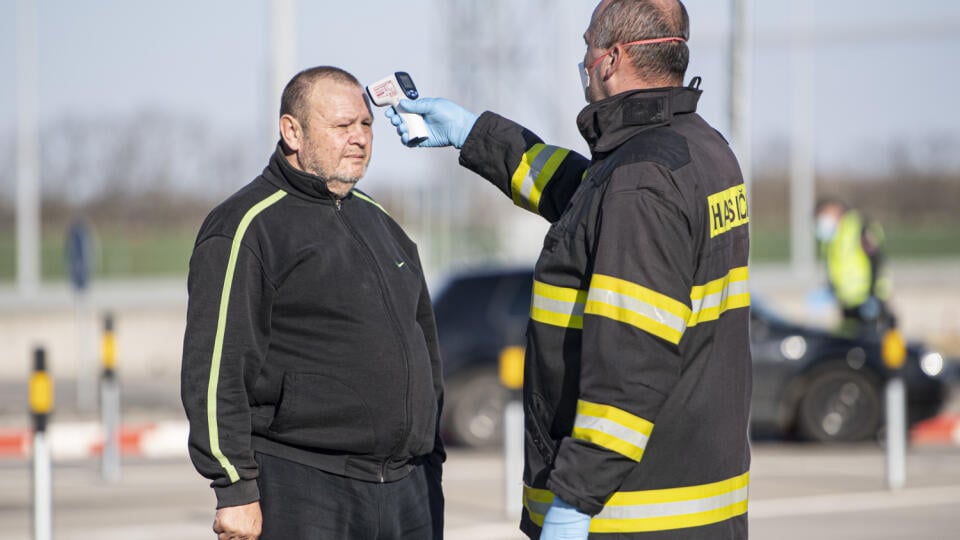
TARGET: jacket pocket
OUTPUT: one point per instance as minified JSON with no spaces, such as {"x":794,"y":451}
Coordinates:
{"x":539,"y":416}
{"x":320,"y":412}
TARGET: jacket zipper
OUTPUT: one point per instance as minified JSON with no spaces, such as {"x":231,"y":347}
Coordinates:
{"x":396,"y":328}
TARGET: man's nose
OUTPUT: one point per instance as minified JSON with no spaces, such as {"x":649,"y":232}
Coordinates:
{"x":360,"y":135}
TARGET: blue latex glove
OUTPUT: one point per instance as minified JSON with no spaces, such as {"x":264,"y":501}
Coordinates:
{"x":448,"y":123}
{"x":564,"y":522}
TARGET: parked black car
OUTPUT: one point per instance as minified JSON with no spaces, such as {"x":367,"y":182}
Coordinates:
{"x":808,"y":383}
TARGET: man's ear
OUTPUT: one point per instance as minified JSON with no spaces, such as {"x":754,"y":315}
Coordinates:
{"x":617,"y":56}
{"x":291,"y":132}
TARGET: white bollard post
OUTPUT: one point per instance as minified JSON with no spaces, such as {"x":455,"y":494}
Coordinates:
{"x":42,"y":488}
{"x":110,"y":407}
{"x":894,"y":353}
{"x":896,"y":433}
{"x":513,"y":458}
{"x":511,"y":375}
{"x":41,"y":403}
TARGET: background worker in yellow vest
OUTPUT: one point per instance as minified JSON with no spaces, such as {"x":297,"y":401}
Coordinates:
{"x":852,"y":247}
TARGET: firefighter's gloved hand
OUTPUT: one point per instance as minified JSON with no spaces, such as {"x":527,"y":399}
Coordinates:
{"x":447,"y":123}
{"x":564,"y":522}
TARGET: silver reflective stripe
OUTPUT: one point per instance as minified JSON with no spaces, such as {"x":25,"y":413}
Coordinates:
{"x":655,"y":510}
{"x":715,"y":300}
{"x":611,"y":428}
{"x":527,"y":185}
{"x":639,"y":307}
{"x":574,"y":309}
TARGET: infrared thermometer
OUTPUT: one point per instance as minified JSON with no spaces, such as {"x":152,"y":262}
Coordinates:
{"x":388,"y":91}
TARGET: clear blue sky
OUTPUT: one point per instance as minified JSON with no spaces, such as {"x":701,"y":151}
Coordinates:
{"x":885,"y":70}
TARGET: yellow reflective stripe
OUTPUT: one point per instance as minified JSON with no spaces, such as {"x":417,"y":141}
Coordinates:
{"x":638,"y":306}
{"x":675,"y":508}
{"x":713,"y":299}
{"x":521,"y":172}
{"x":363,"y":197}
{"x":212,"y":426}
{"x":657,"y":510}
{"x":612,"y":428}
{"x":537,"y":166}
{"x":557,"y":306}
{"x":545,"y":175}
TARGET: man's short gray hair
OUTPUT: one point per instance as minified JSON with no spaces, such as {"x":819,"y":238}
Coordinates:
{"x":623,"y":21}
{"x":295,"y":94}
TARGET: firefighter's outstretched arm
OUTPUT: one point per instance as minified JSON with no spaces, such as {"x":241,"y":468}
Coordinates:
{"x":538,"y":177}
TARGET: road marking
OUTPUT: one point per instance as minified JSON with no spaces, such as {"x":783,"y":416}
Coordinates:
{"x":839,"y":503}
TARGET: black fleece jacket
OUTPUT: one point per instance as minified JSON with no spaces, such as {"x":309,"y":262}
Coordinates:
{"x":310,"y":336}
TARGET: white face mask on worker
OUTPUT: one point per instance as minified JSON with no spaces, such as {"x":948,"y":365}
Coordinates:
{"x":585,"y":80}
{"x":826,"y":228}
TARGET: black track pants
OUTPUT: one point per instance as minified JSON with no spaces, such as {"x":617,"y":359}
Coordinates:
{"x":302,"y":503}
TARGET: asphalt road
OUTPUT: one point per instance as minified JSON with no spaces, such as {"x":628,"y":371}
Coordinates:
{"x":797,"y":492}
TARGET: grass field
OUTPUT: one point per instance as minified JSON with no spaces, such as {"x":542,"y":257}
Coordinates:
{"x":154,"y":252}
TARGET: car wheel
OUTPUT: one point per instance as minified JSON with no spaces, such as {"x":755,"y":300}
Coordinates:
{"x":840,"y":405}
{"x":473,"y":416}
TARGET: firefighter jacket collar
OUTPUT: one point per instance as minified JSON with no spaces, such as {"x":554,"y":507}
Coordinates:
{"x":608,"y":123}
{"x":294,"y":181}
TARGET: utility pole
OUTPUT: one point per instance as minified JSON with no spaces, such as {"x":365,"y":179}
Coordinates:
{"x":28,"y":160}
{"x":802,"y":158}
{"x":741,"y":85}
{"x":283,"y":60}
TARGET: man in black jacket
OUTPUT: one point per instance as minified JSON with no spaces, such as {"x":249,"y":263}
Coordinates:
{"x":311,"y":373}
{"x":638,"y":372}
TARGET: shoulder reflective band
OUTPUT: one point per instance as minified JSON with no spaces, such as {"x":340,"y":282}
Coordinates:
{"x":612,"y":428}
{"x":658,"y":509}
{"x":536,"y":168}
{"x":709,"y":301}
{"x":212,"y":425}
{"x":557,"y":306}
{"x":638,"y":306}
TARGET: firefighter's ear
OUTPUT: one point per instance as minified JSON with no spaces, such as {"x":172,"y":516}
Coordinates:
{"x":291,"y":132}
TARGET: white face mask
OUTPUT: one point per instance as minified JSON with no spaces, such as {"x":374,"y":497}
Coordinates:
{"x":585,"y":80}
{"x":826,"y":228}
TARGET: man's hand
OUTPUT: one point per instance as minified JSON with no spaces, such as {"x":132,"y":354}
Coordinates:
{"x":564,"y":522}
{"x":447,"y":123}
{"x":238,"y":522}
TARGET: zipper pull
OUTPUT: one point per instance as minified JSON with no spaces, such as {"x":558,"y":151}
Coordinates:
{"x":338,"y":203}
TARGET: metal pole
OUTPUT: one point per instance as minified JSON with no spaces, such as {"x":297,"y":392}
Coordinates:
{"x":109,"y":406}
{"x":513,"y":457}
{"x":282,"y":54}
{"x":511,"y":376}
{"x":896,"y":433}
{"x":28,"y":160}
{"x":893,"y":349}
{"x":741,"y":57}
{"x":801,"y":146}
{"x":41,"y":403}
{"x":86,"y":372}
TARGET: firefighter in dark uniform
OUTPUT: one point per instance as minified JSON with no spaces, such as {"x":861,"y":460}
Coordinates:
{"x":638,"y":373}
